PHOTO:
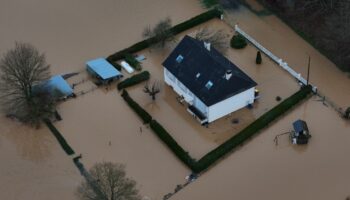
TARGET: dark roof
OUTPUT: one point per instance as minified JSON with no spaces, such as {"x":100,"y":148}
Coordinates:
{"x":198,"y":66}
{"x":300,"y":126}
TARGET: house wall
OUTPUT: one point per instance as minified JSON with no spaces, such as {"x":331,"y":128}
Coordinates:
{"x":201,"y":106}
{"x":231,"y":104}
{"x":178,"y":87}
{"x":215,"y":111}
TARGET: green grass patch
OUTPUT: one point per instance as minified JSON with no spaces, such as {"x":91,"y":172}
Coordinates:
{"x":143,"y":114}
{"x":206,"y":16}
{"x":133,"y":80}
{"x":59,"y":137}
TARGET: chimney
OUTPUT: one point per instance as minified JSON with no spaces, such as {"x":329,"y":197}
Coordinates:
{"x":207,"y":45}
{"x":228,"y":74}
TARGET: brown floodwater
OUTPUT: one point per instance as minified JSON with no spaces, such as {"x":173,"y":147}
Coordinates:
{"x":71,"y":32}
{"x":33,"y":165}
{"x":194,"y":138}
{"x":103,"y":128}
{"x":262,"y":170}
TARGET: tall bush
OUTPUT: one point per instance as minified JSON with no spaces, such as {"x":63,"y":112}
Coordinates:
{"x":135,"y":79}
{"x":133,"y":62}
{"x":114,"y":64}
{"x":258,"y":59}
{"x":238,"y":42}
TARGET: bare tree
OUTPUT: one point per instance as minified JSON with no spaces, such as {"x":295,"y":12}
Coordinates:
{"x":108,"y":181}
{"x":160,"y":34}
{"x":217,"y":38}
{"x":22,"y":69}
{"x":152,"y":89}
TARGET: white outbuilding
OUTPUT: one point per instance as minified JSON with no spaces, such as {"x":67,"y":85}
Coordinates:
{"x":211,"y":85}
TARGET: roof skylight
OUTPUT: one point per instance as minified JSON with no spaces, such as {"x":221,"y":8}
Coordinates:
{"x":209,"y":85}
{"x":179,"y":58}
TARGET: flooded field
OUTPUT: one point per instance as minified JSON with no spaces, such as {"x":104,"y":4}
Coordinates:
{"x":199,"y":140}
{"x":70,"y":33}
{"x":102,"y":127}
{"x":33,"y":165}
{"x":277,"y":37}
{"x":262,"y":170}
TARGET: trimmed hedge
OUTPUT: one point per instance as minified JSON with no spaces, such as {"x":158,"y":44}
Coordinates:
{"x":206,"y":16}
{"x":251,"y":130}
{"x":213,"y":156}
{"x":115,"y":65}
{"x":133,"y":80}
{"x":146,"y":118}
{"x":133,"y":62}
{"x":59,"y":137}
{"x":172,"y":144}
{"x":238,"y":42}
{"x":209,"y":3}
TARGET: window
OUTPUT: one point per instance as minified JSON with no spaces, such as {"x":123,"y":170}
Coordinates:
{"x":179,"y":58}
{"x":209,"y":85}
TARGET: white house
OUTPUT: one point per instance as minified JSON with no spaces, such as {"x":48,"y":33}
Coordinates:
{"x":211,"y":85}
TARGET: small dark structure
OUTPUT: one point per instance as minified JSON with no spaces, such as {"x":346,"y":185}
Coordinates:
{"x":301,"y":134}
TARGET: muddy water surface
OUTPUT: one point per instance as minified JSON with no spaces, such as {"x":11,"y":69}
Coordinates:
{"x":33,"y":165}
{"x":101,"y":127}
{"x":261,"y":170}
{"x":70,"y":33}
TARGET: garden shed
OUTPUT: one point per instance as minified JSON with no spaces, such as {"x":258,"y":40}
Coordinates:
{"x":301,"y":133}
{"x":103,"y":70}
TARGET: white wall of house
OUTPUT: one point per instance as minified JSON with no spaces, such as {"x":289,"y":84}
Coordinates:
{"x":201,"y":106}
{"x":231,"y":104}
{"x":179,"y":88}
{"x":217,"y":110}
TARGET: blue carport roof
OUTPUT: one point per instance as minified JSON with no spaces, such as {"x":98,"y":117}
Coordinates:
{"x":102,"y":68}
{"x":58,"y":83}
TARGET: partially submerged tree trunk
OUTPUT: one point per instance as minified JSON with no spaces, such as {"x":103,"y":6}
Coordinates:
{"x":152,"y":90}
{"x":22,"y":70}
